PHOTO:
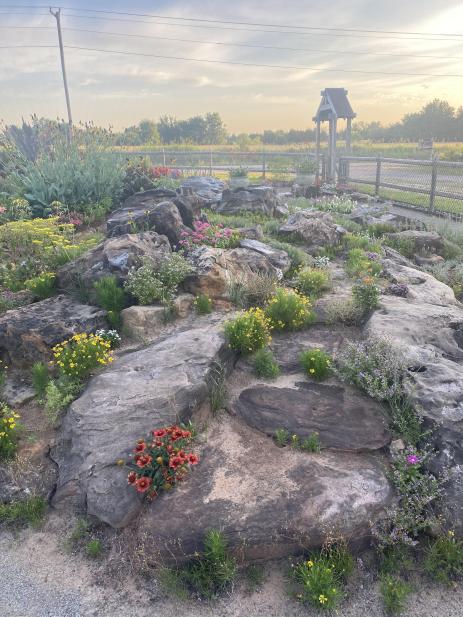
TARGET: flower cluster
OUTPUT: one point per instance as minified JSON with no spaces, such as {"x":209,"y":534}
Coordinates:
{"x":205,"y":233}
{"x":249,"y":331}
{"x":289,"y":310}
{"x":316,"y":363}
{"x":79,"y":355}
{"x":161,"y":461}
{"x":363,"y":263}
{"x":161,"y":171}
{"x":365,"y":294}
{"x":111,"y":336}
{"x":8,"y":431}
{"x":321,"y":584}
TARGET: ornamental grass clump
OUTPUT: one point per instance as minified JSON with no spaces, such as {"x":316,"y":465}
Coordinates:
{"x":112,"y":298}
{"x":316,"y":363}
{"x":249,"y":331}
{"x":203,"y":304}
{"x":265,"y":364}
{"x":42,"y":286}
{"x":78,"y":356}
{"x":161,"y":461}
{"x":312,"y":281}
{"x":8,"y":432}
{"x":394,"y":592}
{"x":444,"y":558}
{"x":365,"y":294}
{"x":289,"y":310}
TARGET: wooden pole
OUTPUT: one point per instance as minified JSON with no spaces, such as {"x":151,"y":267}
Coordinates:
{"x":317,"y":153}
{"x":57,"y":16}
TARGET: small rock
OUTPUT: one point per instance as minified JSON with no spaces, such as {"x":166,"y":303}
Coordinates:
{"x":143,"y":323}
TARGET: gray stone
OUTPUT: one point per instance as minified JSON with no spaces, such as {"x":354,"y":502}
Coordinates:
{"x":156,"y":386}
{"x":28,"y":333}
{"x":316,"y":229}
{"x":335,"y":411}
{"x":143,"y":323}
{"x":137,"y":212}
{"x":257,"y":200}
{"x":269,"y":502}
{"x":115,"y":256}
{"x":203,"y":191}
{"x":277,"y":258}
{"x":167,"y":221}
{"x":429,"y":241}
{"x":17,"y":390}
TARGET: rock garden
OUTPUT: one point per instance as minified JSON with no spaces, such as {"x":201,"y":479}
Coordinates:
{"x":218,"y":377}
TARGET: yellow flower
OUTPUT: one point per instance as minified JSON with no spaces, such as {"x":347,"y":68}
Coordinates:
{"x":310,"y":563}
{"x":322,"y":599}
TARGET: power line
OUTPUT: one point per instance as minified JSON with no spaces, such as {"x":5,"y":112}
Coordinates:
{"x":240,"y":23}
{"x":247,"y":45}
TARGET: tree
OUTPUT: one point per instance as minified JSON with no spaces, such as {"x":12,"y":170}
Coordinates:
{"x":149,"y":133}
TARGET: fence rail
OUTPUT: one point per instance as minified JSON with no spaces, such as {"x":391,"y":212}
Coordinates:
{"x":434,"y":185}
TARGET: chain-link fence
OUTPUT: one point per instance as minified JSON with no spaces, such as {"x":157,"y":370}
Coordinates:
{"x":433,"y":185}
{"x":286,"y":165}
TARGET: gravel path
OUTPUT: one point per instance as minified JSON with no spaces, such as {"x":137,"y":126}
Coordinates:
{"x":39,"y":579}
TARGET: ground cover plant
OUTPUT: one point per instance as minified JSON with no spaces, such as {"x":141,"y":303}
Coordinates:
{"x":316,"y":363}
{"x":249,"y":331}
{"x":208,"y":234}
{"x":265,"y":364}
{"x":111,"y":297}
{"x":9,"y":428}
{"x":246,"y":291}
{"x":312,"y":281}
{"x":289,"y":310}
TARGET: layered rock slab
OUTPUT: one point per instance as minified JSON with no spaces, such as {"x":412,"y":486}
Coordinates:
{"x":159,"y":385}
{"x":268,"y":502}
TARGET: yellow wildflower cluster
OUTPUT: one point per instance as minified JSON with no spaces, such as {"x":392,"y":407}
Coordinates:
{"x":79,"y":355}
{"x":8,"y":428}
{"x":288,"y":310}
{"x":249,"y":331}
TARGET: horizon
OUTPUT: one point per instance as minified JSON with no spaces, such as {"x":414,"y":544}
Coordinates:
{"x":120,"y":90}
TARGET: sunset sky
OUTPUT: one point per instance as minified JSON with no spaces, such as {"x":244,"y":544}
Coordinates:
{"x":121,"y":89}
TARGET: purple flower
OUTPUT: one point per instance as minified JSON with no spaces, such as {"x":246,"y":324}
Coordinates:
{"x":412,"y":459}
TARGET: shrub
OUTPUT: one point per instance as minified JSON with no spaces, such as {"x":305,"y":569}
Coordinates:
{"x":28,"y":511}
{"x":251,"y":290}
{"x":110,"y":336}
{"x":249,"y":331}
{"x":343,"y":311}
{"x":312,"y":281}
{"x":59,"y":394}
{"x":8,"y":432}
{"x":213,"y":570}
{"x":405,"y":421}
{"x":374,"y":366}
{"x":289,"y":310}
{"x":78,"y":356}
{"x":14,"y":209}
{"x":42,"y":286}
{"x":362,"y":241}
{"x":394,"y":592}
{"x":40,"y":378}
{"x":238,"y":172}
{"x":254,"y":577}
{"x":404,"y":246}
{"x":281,"y":437}
{"x":203,"y":304}
{"x":365,"y":294}
{"x":311,"y":443}
{"x":161,"y":461}
{"x":94,"y":548}
{"x":110,"y":297}
{"x":265,"y":364}
{"x":316,"y":363}
{"x":208,"y":234}
{"x":149,"y":285}
{"x":444,"y":558}
{"x":360,"y":263}
{"x":140,"y":175}
{"x":341,"y":204}
{"x":451,"y":273}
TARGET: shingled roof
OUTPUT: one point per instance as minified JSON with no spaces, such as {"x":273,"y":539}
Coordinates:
{"x":334,"y":101}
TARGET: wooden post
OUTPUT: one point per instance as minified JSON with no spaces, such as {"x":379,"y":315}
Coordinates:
{"x":57,"y":16}
{"x":317,"y":151}
{"x":378,"y":176}
{"x":333,"y":128}
{"x":432,"y":194}
{"x":348,"y":147}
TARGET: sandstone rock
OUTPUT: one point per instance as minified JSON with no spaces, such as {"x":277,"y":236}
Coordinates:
{"x":28,"y":333}
{"x":136,"y":213}
{"x":143,"y":323}
{"x":114,"y":256}
{"x":257,"y":200}
{"x":429,"y":241}
{"x":315,"y":229}
{"x":167,"y":221}
{"x":278,"y":259}
{"x":183,"y":304}
{"x":269,"y":502}
{"x":214,"y":268}
{"x":428,"y":261}
{"x":161,"y":384}
{"x":252,"y":233}
{"x":335,"y":411}
{"x":17,"y":390}
{"x":203,"y":191}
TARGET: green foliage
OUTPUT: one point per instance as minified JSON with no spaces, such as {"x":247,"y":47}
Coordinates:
{"x":8,"y":432}
{"x":246,"y":291}
{"x":265,"y":364}
{"x":405,"y":246}
{"x":394,"y":592}
{"x":249,"y":331}
{"x":29,"y":511}
{"x":281,"y":437}
{"x":405,"y":421}
{"x":94,"y":548}
{"x":343,"y":311}
{"x":42,"y":286}
{"x":289,"y":310}
{"x":254,"y":577}
{"x":40,"y":379}
{"x":311,"y":443}
{"x":313,"y":281}
{"x":203,"y":304}
{"x":396,"y":559}
{"x":149,"y":284}
{"x":238,"y":172}
{"x":362,"y":241}
{"x":218,"y":393}
{"x":451,"y":273}
{"x":341,"y":204}
{"x":78,"y":356}
{"x":316,"y":363}
{"x":112,"y":298}
{"x":298,"y":257}
{"x":59,"y":394}
{"x":365,"y":294}
{"x":444,"y":559}
{"x":213,"y":570}
{"x":359,"y":263}
{"x":378,"y":230}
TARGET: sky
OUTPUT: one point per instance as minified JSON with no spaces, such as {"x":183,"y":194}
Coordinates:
{"x":120,"y":90}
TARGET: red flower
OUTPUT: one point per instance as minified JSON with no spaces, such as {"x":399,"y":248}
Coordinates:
{"x":159,"y":433}
{"x":140,"y":447}
{"x":132,"y":477}
{"x":144,"y":460}
{"x":175,"y":462}
{"x":143,"y":484}
{"x":193,"y":459}
{"x":170,"y":449}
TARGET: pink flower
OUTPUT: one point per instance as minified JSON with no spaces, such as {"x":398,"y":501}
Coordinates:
{"x":412,"y":459}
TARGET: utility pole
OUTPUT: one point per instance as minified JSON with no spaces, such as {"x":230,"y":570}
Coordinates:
{"x":57,"y":16}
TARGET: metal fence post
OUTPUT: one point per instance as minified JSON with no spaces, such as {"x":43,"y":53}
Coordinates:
{"x":163,"y":157}
{"x":378,"y":176}
{"x":432,"y":194}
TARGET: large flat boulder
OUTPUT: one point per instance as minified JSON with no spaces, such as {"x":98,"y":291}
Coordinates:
{"x":115,"y":256}
{"x":156,"y":386}
{"x":136,"y":214}
{"x":315,"y":229}
{"x":269,"y":502}
{"x":28,"y":333}
{"x":257,"y":200}
{"x":335,"y":411}
{"x":419,"y":240}
{"x":203,"y":191}
{"x":277,"y":258}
